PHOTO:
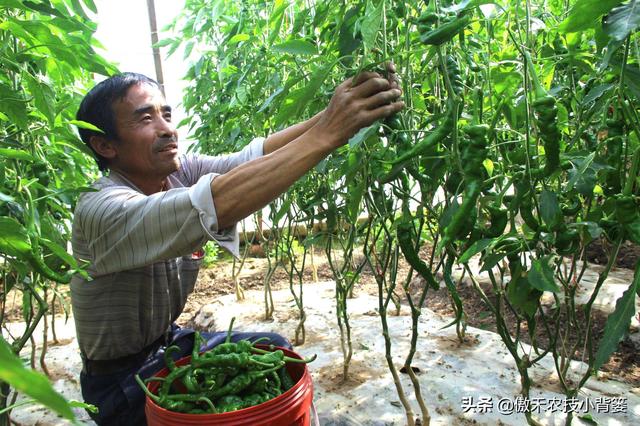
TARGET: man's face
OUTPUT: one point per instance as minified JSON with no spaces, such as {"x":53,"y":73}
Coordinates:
{"x":147,"y":145}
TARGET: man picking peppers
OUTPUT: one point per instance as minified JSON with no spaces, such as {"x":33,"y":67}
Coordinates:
{"x":143,"y":227}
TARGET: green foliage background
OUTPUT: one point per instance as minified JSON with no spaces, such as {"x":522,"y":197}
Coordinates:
{"x":423,"y":180}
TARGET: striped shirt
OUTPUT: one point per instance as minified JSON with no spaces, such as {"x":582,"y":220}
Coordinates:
{"x":138,"y":250}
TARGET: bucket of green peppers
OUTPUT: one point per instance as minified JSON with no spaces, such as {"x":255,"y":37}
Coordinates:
{"x":234,"y":383}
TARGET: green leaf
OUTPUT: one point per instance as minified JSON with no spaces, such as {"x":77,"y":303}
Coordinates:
{"x":276,"y":18}
{"x":91,"y":5}
{"x":593,"y":229}
{"x":11,"y":3}
{"x":579,"y":173}
{"x":79,"y":404}
{"x":541,"y":276}
{"x":238,"y":38}
{"x":270,"y":99}
{"x":30,"y":382}
{"x":15,"y":154}
{"x":363,"y":134}
{"x":349,"y":39}
{"x":550,"y":208}
{"x":296,"y":47}
{"x":622,"y":20}
{"x":164,"y":42}
{"x":632,"y":231}
{"x":522,"y":296}
{"x":474,"y":249}
{"x":618,"y":321}
{"x":353,"y":165}
{"x":14,"y":240}
{"x":596,"y":92}
{"x":13,"y":105}
{"x":370,"y":25}
{"x":354,"y":198}
{"x":5,"y":198}
{"x":42,"y":8}
{"x":44,"y":97}
{"x":585,"y":14}
{"x":492,"y":260}
{"x":588,"y":419}
{"x":283,"y":210}
{"x":85,"y":125}
{"x":489,"y":166}
{"x":60,"y":251}
{"x":296,"y":103}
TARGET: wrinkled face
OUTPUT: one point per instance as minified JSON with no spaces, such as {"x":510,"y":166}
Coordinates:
{"x":147,"y":147}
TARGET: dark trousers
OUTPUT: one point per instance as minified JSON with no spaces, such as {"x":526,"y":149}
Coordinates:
{"x":119,"y":398}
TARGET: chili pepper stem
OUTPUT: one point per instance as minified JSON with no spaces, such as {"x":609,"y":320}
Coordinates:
{"x":146,"y":390}
{"x":539,"y":91}
{"x":229,"y":330}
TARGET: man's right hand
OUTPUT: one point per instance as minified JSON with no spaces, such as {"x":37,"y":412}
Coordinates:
{"x":357,"y":102}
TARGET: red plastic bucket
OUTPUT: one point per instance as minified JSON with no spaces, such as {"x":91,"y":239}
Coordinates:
{"x":292,"y":408}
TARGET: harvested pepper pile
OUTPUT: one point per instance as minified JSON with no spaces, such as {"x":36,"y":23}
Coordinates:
{"x":229,"y":377}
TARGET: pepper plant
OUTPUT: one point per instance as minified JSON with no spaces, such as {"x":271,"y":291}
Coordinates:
{"x":46,"y":60}
{"x":519,"y":148}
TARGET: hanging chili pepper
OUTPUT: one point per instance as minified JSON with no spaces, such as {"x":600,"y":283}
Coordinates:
{"x":614,"y":143}
{"x":462,"y":216}
{"x":445,"y":31}
{"x":567,"y":241}
{"x":544,"y":106}
{"x":473,"y":154}
{"x":455,"y":78}
{"x":626,"y":209}
{"x":406,"y":232}
{"x":498,"y":217}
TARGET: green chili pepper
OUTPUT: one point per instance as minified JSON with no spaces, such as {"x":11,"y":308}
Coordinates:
{"x":273,"y":382}
{"x":285,"y":379}
{"x":445,"y":31}
{"x":546,"y":111}
{"x":229,"y":403}
{"x":614,"y":144}
{"x":241,"y":382}
{"x":429,"y":17}
{"x":168,"y":359}
{"x":453,"y":71}
{"x":626,"y":209}
{"x":462,"y":215}
{"x":418,"y":149}
{"x":567,"y":241}
{"x":174,"y":375}
{"x":526,"y":212}
{"x":405,"y":232}
{"x":229,"y":360}
{"x":499,"y":218}
{"x":272,"y":358}
{"x":287,"y":358}
{"x":37,"y":263}
{"x":256,"y":398}
{"x":197,"y":343}
{"x":571,"y":209}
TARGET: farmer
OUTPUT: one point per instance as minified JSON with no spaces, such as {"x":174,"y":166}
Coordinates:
{"x":142,"y":230}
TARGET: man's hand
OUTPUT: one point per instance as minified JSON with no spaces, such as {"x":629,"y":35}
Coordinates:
{"x":392,"y":77}
{"x":358,"y":102}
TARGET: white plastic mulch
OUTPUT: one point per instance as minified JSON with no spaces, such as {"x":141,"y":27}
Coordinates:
{"x":472,"y":383}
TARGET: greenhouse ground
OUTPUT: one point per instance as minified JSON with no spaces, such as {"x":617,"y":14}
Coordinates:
{"x":454,"y":377}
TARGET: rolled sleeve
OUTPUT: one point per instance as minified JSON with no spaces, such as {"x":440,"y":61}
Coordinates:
{"x":256,"y":148}
{"x":202,"y":201}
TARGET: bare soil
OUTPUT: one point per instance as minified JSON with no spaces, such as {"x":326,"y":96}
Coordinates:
{"x":218,"y":280}
{"x":623,"y":365}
